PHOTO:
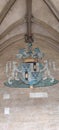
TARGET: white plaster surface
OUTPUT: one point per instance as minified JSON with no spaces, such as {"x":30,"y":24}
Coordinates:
{"x":6,"y":110}
{"x":38,"y":95}
{"x":6,"y":96}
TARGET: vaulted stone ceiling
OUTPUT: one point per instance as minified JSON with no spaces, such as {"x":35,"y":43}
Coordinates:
{"x":13,"y":24}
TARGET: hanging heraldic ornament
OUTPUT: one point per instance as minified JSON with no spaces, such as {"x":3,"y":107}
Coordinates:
{"x":31,"y":71}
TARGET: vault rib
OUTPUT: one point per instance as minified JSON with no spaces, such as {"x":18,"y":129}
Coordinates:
{"x":11,"y":27}
{"x":52,"y":31}
{"x":6,"y":9}
{"x":52,"y":8}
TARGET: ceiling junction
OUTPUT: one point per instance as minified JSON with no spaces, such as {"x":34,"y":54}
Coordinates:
{"x":28,"y":19}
